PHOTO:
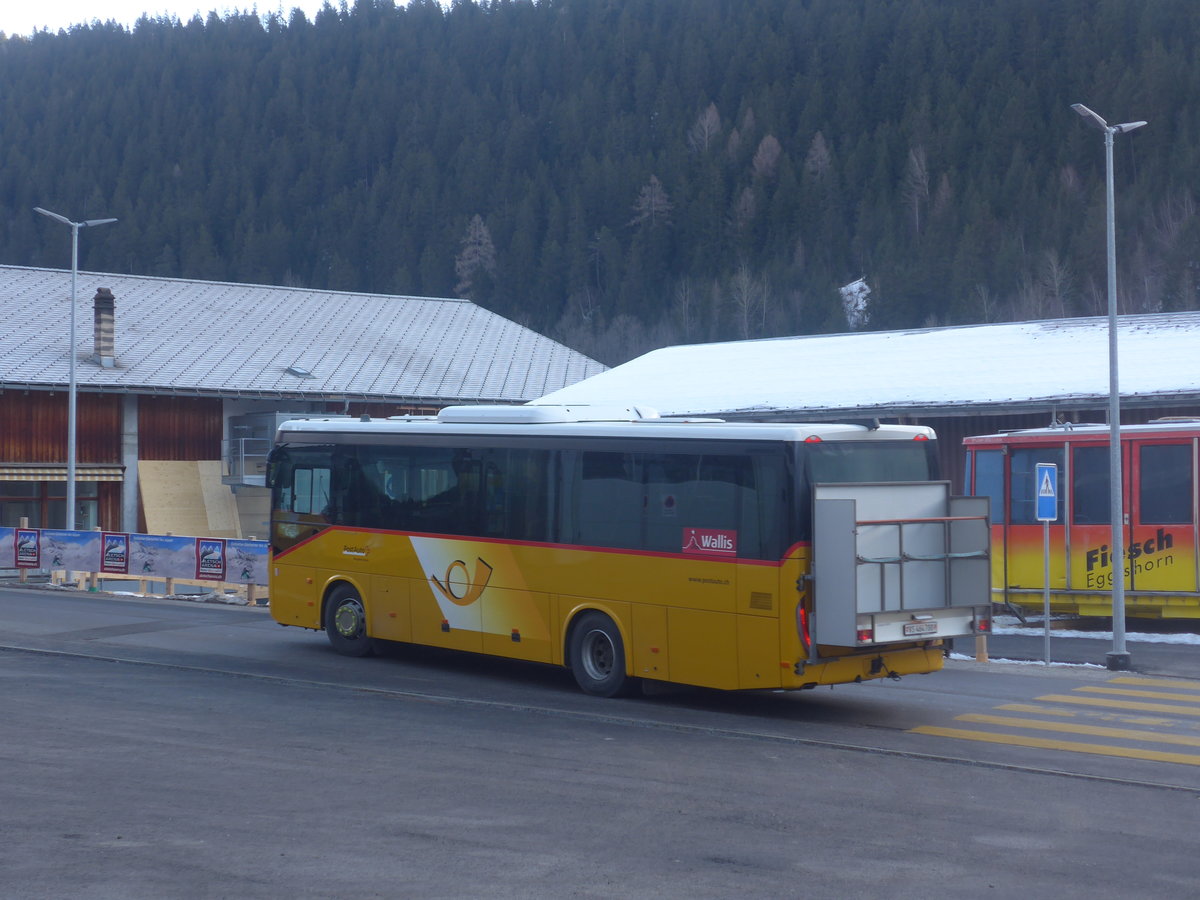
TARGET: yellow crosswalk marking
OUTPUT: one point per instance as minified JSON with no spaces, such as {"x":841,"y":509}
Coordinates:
{"x":1188,"y":759}
{"x":1158,"y":682}
{"x":1129,"y":734}
{"x":1096,"y":714}
{"x":1121,"y":704}
{"x":1126,"y":692}
{"x":1031,"y":708}
{"x":1106,"y":703}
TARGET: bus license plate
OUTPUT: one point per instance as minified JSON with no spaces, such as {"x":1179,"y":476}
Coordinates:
{"x":911,"y":628}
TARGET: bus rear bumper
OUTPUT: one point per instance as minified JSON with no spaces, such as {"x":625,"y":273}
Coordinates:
{"x":883,"y":663}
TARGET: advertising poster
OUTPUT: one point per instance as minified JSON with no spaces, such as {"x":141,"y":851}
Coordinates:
{"x":210,"y":559}
{"x":115,"y":558}
{"x":159,"y":556}
{"x":26,"y":549}
{"x":162,"y":556}
{"x":75,"y":551}
{"x":247,"y":563}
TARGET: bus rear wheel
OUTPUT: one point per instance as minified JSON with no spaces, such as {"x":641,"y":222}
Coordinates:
{"x":346,"y":622}
{"x":598,"y":657}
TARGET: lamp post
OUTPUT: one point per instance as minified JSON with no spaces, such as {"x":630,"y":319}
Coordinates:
{"x":75,"y":226}
{"x":1118,"y":657}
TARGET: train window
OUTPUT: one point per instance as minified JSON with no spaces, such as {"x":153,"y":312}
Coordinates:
{"x":1165,"y":493}
{"x":1090,"y":501}
{"x":1023,"y":491}
{"x":989,"y":480}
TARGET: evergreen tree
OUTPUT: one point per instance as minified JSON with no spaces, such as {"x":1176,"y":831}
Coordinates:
{"x":612,"y":152}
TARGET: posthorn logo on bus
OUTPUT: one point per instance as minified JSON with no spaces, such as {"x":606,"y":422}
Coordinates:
{"x":714,"y":541}
{"x":460,"y":587}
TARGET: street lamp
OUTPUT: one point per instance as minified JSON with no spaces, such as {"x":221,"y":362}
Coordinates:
{"x":75,"y":226}
{"x":1118,"y":657}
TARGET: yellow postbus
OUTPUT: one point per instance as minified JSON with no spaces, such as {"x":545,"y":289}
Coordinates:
{"x":626,"y":546}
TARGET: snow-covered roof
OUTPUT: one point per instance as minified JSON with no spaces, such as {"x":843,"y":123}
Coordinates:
{"x":204,"y":337}
{"x":1061,"y":363}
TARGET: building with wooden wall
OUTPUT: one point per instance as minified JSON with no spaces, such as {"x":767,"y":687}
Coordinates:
{"x":180,"y":383}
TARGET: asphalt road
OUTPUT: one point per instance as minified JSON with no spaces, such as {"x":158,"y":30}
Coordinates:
{"x":159,"y":749}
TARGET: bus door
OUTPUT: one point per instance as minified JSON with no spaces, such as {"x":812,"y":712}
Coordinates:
{"x":1090,"y":535}
{"x":1162,"y":533}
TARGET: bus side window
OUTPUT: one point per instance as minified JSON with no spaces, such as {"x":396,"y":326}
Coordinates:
{"x":767,"y":504}
{"x":516,"y":495}
{"x":989,"y":481}
{"x":608,"y":500}
{"x":1166,"y":489}
{"x":451,"y":490}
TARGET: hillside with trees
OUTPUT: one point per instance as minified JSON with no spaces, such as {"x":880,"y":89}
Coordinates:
{"x":625,"y":174}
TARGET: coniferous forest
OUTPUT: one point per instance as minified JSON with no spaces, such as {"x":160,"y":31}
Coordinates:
{"x":626,"y":174}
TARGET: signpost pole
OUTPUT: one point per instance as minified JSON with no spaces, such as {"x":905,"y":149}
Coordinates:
{"x":1045,"y":495}
{"x":1046,"y":589}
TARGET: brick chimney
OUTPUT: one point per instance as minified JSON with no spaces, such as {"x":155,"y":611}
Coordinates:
{"x":105,"y":305}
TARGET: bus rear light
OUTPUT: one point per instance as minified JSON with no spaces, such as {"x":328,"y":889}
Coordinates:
{"x":802,"y":627}
{"x":920,"y":437}
{"x":812,"y":439}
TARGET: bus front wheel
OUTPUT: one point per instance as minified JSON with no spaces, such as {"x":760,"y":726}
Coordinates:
{"x":346,"y":622}
{"x":598,"y":657}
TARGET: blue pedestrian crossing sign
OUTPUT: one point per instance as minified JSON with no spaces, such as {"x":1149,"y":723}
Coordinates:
{"x":1046,"y":485}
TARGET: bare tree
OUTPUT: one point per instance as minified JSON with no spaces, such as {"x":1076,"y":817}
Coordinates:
{"x":1069,"y":179}
{"x":766,"y":157}
{"x":1172,"y":218}
{"x":1057,"y":283}
{"x":915,"y":187}
{"x":685,"y":303}
{"x":983,"y":297}
{"x":653,"y":206}
{"x":708,"y":126}
{"x":818,"y":164}
{"x":748,"y":298}
{"x":478,"y":257}
{"x":1030,"y":301}
{"x":585,"y":303}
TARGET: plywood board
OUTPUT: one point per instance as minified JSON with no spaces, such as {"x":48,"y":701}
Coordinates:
{"x":219,"y":502}
{"x":186,"y":497}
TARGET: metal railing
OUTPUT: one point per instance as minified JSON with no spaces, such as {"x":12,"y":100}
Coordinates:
{"x":245,"y":460}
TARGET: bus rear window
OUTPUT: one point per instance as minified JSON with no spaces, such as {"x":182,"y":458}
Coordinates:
{"x":858,"y":462}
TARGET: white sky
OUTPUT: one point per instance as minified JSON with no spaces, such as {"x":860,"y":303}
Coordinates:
{"x":24,"y":16}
